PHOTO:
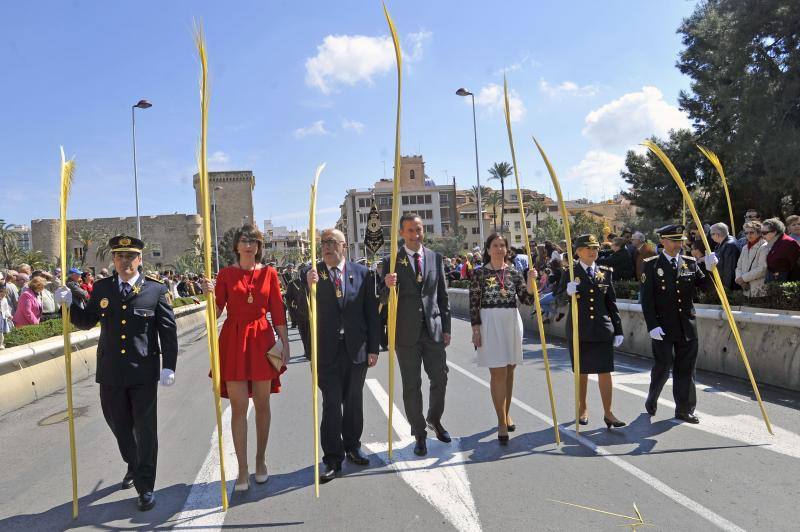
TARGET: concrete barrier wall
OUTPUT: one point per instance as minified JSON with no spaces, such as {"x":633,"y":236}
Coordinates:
{"x":771,"y":338}
{"x":31,"y":371}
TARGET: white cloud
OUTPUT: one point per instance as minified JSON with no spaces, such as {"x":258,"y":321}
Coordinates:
{"x":218,"y":160}
{"x":317,"y":128}
{"x":350,"y":59}
{"x":491,"y":98}
{"x":567,"y":88}
{"x":598,"y":173}
{"x":525,"y":62}
{"x":353,"y":125}
{"x":632,"y":118}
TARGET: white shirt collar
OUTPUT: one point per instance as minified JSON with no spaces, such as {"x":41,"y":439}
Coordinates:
{"x":411,"y":253}
{"x":131,"y":282}
{"x":340,"y":266}
{"x":669,"y":258}
{"x":586,"y":267}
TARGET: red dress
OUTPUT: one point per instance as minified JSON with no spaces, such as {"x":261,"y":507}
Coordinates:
{"x":246,"y":335}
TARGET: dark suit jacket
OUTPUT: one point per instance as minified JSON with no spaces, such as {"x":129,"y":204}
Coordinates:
{"x":133,"y":331}
{"x":667,"y":300}
{"x":622,"y":264}
{"x":415,"y":301}
{"x":598,"y":315}
{"x":728,"y":254}
{"x":357,"y":317}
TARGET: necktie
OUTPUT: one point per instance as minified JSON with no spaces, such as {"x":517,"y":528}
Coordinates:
{"x":418,"y":263}
{"x":125,"y":289}
{"x":590,"y":272}
{"x":337,"y":280}
{"x":674,"y":263}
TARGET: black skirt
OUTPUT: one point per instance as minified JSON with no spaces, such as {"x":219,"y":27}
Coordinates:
{"x":596,"y":357}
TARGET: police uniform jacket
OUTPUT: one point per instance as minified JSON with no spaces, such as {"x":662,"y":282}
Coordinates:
{"x":667,"y":298}
{"x":134,"y":331}
{"x":598,"y":315}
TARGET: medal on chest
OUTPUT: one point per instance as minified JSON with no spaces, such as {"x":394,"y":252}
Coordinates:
{"x":249,"y":287}
{"x":502,"y":280}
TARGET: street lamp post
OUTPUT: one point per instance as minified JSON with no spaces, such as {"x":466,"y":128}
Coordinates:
{"x":465,"y":92}
{"x":216,"y":238}
{"x":141,"y":104}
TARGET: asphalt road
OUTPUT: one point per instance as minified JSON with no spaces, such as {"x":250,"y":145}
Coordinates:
{"x":726,"y":473}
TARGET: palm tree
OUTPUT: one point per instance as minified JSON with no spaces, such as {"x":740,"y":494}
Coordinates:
{"x":9,"y":246}
{"x":473,"y":193}
{"x":103,"y":248}
{"x":501,"y":171}
{"x":492,"y":200}
{"x":86,"y":237}
{"x":536,"y":205}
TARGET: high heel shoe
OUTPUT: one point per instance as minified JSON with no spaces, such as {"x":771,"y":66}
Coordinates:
{"x":512,"y":427}
{"x":502,"y":438}
{"x":583,"y":420}
{"x":616,"y":424}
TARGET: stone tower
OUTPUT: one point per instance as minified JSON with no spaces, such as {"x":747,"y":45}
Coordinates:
{"x":412,"y":172}
{"x":234,"y":200}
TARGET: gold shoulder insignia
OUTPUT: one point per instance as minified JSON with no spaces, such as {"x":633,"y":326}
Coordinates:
{"x":689,"y":257}
{"x":154,"y":278}
{"x":608,"y":268}
{"x":648,"y":259}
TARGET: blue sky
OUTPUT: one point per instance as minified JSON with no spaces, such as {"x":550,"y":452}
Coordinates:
{"x":298,"y":83}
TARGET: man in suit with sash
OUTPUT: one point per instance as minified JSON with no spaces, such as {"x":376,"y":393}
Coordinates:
{"x":348,"y":337}
{"x":422,"y":328}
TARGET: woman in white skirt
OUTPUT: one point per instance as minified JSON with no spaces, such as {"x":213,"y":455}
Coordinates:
{"x":496,"y":324}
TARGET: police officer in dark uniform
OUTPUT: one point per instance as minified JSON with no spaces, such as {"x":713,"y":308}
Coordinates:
{"x":138,"y":348}
{"x":599,"y":324}
{"x":667,"y":288}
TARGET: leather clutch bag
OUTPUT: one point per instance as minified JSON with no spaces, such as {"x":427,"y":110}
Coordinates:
{"x":274,"y":354}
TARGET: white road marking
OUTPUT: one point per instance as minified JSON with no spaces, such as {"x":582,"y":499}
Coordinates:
{"x":203,"y":506}
{"x":648,"y":479}
{"x":446,"y":488}
{"x":744,"y":428}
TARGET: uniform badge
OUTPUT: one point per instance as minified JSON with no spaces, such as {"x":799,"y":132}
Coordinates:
{"x":644,"y":278}
{"x":104,"y":303}
{"x":324,"y":276}
{"x":125,"y":242}
{"x":660,"y":272}
{"x":136,"y":289}
{"x":684,"y":266}
{"x":491,"y":282}
{"x":404,"y":262}
{"x":599,"y":276}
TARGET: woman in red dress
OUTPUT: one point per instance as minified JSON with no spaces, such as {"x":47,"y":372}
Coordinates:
{"x":250,"y":291}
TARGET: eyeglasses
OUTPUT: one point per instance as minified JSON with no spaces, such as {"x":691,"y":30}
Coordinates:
{"x":331,"y":243}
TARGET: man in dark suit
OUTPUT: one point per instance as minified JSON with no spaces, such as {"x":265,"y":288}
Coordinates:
{"x":668,"y":282}
{"x":347,"y":343}
{"x":422,"y":328}
{"x":138,"y":348}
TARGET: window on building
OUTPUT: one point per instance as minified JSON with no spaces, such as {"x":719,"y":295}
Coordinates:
{"x":429,"y":229}
{"x":405,"y":200}
{"x":513,"y":197}
{"x":446,"y":228}
{"x":412,"y":200}
{"x":361,"y":234}
{"x":517,"y":225}
{"x":528,"y":225}
{"x":77,"y":252}
{"x":428,"y":199}
{"x":412,"y":174}
{"x":444,"y":212}
{"x":444,"y":197}
{"x":517,"y":238}
{"x":476,"y":230}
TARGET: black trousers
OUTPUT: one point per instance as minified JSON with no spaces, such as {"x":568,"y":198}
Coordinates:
{"x":304,"y":327}
{"x":680,"y":357}
{"x":342,"y":386}
{"x":432,"y":356}
{"x":130,"y":412}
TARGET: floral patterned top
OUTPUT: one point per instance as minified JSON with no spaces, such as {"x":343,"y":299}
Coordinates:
{"x":490,"y":288}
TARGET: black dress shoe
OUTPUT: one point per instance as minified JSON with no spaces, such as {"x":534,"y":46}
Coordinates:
{"x":650,"y":407}
{"x":583,"y":420}
{"x":616,"y":424}
{"x":146,"y":501}
{"x":357,"y":458}
{"x":127,"y":480}
{"x":330,"y":473}
{"x":689,"y":418}
{"x":421,"y":447}
{"x":512,"y":427}
{"x":441,"y":433}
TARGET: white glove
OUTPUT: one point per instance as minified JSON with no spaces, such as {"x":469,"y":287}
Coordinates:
{"x":572,"y":288}
{"x":711,"y":260}
{"x":657,"y":333}
{"x":62,"y":296}
{"x":167,"y":377}
{"x":618,"y":339}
